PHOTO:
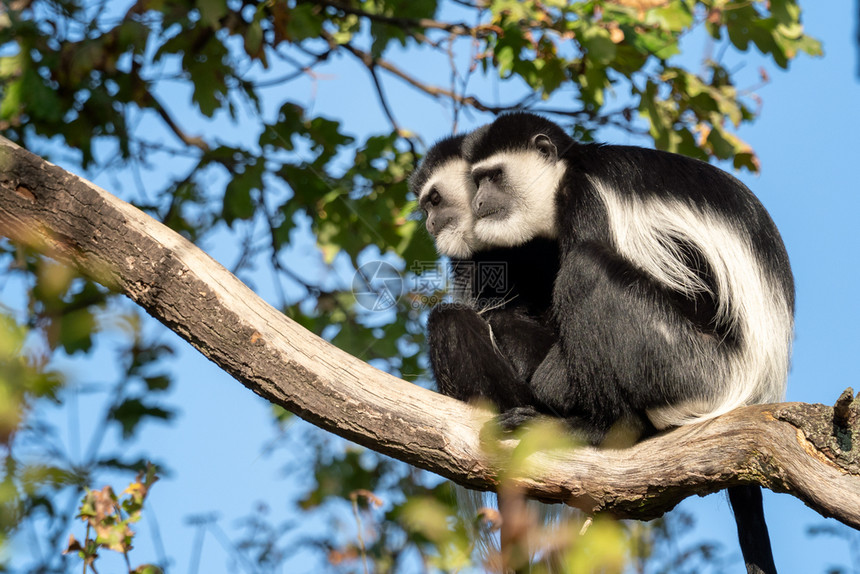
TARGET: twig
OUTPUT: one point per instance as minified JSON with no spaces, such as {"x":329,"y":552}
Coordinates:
{"x":434,"y":91}
{"x":358,"y":531}
{"x":195,"y":141}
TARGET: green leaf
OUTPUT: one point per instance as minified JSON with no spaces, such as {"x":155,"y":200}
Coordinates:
{"x":505,"y":57}
{"x":551,"y":74}
{"x":238,"y":201}
{"x":75,"y":331}
{"x":207,"y":69}
{"x":41,"y":100}
{"x":290,"y":122}
{"x":722,"y":143}
{"x":303,"y":23}
{"x":592,"y":84}
{"x":674,"y":17}
{"x":254,"y":42}
{"x":348,"y":27}
{"x":810,"y":46}
{"x":131,"y":412}
{"x":157,"y":383}
{"x":785,"y":11}
{"x":512,"y":11}
{"x":11,"y":103}
{"x":211,"y":12}
{"x":598,"y":45}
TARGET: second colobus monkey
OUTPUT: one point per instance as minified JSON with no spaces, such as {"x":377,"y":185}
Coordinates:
{"x":499,"y":318}
{"x":491,"y":339}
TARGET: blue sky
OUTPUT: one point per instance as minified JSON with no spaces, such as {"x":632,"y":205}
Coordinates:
{"x":808,"y":140}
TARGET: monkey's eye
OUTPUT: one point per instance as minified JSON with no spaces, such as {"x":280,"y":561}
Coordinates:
{"x":491,"y":175}
{"x":434,"y":198}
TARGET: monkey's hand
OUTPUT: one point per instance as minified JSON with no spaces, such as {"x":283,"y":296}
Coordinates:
{"x":511,"y":419}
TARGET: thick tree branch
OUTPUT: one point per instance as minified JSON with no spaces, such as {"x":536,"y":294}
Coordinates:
{"x":809,"y":451}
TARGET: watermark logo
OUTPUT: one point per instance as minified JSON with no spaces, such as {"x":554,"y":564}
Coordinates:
{"x":377,"y":286}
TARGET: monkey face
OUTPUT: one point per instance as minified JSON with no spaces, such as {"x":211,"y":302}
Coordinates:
{"x":514,"y":198}
{"x":445,"y":199}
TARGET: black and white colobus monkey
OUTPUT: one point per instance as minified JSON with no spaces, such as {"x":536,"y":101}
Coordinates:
{"x":674,"y":298}
{"x":491,"y":339}
{"x":500,"y":316}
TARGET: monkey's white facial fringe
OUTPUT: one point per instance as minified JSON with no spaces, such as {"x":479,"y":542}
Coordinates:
{"x":532,"y":181}
{"x":454,"y":243}
{"x":454,"y":183}
{"x":750,"y":303}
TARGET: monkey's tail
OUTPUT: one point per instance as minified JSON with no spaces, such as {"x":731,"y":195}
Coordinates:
{"x":746,"y":503}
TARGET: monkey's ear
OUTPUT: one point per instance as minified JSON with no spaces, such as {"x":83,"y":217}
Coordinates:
{"x":544,"y":145}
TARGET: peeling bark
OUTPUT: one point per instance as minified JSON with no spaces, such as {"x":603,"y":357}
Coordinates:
{"x":809,"y":451}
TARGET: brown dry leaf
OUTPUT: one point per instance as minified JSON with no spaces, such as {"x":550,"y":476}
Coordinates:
{"x":704,"y":132}
{"x":73,"y":546}
{"x":371,"y":498}
{"x":336,"y":557}
{"x":103,"y":502}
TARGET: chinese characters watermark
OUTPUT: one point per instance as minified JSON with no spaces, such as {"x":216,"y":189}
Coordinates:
{"x":377,"y":285}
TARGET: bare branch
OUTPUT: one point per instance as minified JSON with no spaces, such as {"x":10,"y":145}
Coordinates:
{"x":195,"y":141}
{"x":437,"y":92}
{"x":809,"y":451}
{"x":434,"y":91}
